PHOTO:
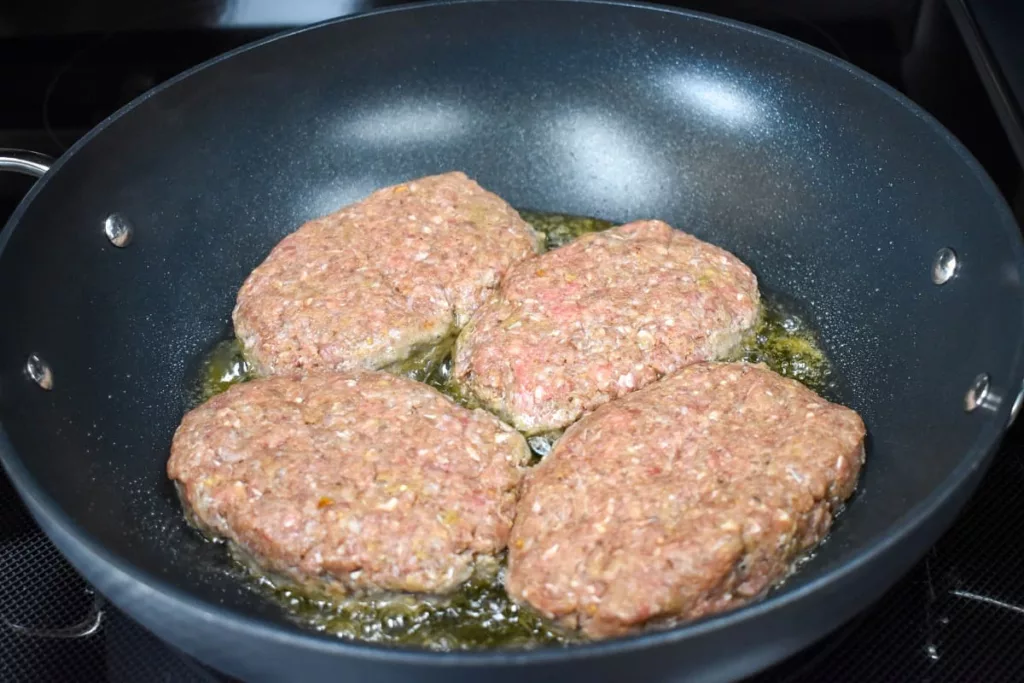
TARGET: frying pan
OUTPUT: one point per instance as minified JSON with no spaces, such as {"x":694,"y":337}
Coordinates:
{"x":838,"y":192}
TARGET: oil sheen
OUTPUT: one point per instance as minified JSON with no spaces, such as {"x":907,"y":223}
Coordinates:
{"x":480,"y":614}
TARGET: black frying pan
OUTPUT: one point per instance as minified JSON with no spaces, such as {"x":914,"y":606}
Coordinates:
{"x":836,"y":190}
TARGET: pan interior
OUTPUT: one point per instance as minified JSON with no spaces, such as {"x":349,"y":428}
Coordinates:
{"x":835,"y":193}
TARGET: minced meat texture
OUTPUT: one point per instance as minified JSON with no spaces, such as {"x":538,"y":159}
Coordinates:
{"x":366,"y":286}
{"x":599,"y":318}
{"x":686,"y":498}
{"x":352,"y":482}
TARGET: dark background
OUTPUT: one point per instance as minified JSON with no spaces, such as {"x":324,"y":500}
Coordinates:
{"x":958,"y":616}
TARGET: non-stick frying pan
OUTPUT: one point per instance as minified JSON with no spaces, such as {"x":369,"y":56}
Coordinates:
{"x":838,"y":192}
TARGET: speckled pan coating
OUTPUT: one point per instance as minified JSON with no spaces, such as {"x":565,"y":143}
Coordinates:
{"x":686,"y":498}
{"x":601,"y":317}
{"x":351,"y":482}
{"x":363,"y":287}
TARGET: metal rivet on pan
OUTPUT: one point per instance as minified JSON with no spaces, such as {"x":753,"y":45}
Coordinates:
{"x":118,"y":230}
{"x":945,"y":266}
{"x":39,"y":371}
{"x":978,"y":392}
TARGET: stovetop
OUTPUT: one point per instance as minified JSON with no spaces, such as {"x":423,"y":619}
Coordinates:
{"x":958,"y":616}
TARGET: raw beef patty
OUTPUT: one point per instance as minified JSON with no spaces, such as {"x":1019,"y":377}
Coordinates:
{"x":689,"y":497}
{"x":600,"y":317}
{"x":366,"y":286}
{"x":351,"y":482}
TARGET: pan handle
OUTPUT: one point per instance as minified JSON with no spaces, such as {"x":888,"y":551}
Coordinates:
{"x":25,"y":162}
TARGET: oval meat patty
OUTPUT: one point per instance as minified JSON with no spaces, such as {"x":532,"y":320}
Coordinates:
{"x":686,"y":498}
{"x":351,"y":482}
{"x":600,"y":317}
{"x":365,"y":286}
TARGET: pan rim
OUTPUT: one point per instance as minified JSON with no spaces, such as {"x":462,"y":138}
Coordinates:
{"x":52,"y":516}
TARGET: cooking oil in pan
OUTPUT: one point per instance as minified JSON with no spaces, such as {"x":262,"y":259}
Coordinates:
{"x":560,"y":229}
{"x":480,"y":614}
{"x":222,"y":367}
{"x":788,"y":345}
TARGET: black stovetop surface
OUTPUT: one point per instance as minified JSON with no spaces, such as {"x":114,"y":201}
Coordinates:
{"x":957,"y":616}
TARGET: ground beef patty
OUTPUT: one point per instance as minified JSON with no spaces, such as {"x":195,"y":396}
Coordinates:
{"x":686,"y":498}
{"x":601,"y":317}
{"x":351,"y":482}
{"x":363,"y":287}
